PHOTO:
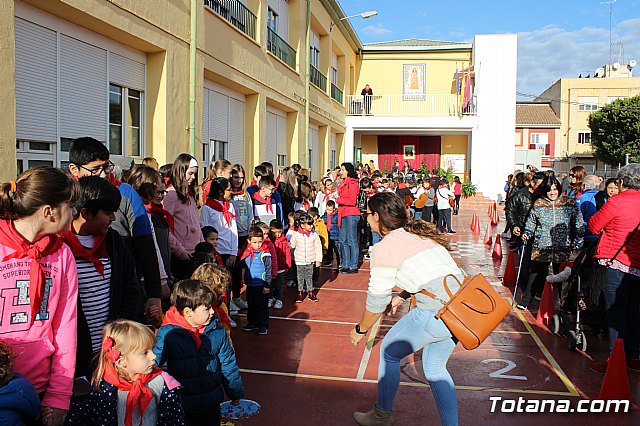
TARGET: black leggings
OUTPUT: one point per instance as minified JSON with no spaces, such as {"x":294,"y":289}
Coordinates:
{"x":236,"y":271}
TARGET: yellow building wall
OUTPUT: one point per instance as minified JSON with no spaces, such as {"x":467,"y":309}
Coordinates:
{"x":384,"y":71}
{"x":7,"y":94}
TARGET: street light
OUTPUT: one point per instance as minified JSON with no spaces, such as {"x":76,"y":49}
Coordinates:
{"x":363,"y":15}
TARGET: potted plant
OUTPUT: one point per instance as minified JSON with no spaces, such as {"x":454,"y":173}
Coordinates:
{"x":469,"y":189}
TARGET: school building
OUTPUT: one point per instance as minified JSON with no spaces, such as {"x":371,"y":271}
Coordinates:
{"x":237,"y":79}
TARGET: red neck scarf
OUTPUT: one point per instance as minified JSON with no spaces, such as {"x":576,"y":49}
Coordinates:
{"x":113,"y":181}
{"x":45,"y":246}
{"x":250,"y":251}
{"x":326,"y":196}
{"x":139,"y":394}
{"x":224,"y":208}
{"x":173,"y":317}
{"x":306,"y":204}
{"x":240,"y":192}
{"x":304,"y":232}
{"x":82,"y":252}
{"x":168,"y":217}
{"x":265,"y":201}
{"x":329,"y":217}
{"x":218,"y":257}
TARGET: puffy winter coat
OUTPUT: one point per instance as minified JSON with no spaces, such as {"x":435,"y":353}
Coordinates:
{"x":614,"y":222}
{"x":517,"y":207}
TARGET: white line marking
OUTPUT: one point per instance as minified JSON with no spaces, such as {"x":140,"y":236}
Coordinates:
{"x":306,"y":320}
{"x":367,"y":350}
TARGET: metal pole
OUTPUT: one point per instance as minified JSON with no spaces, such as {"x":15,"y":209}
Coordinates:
{"x":306,"y":87}
{"x":192,"y":77}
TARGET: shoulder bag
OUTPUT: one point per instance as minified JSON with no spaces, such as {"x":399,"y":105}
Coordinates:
{"x":473,"y":312}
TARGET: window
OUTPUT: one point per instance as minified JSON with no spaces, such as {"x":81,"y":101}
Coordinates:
{"x":220,"y":150}
{"x":314,"y":49}
{"x":282,"y":161}
{"x":272,"y":20}
{"x":125,"y":121}
{"x":333,"y":159}
{"x":584,"y":138}
{"x":310,"y":159}
{"x":540,"y":141}
{"x":34,"y":153}
{"x":588,"y":103}
{"x":334,"y":69}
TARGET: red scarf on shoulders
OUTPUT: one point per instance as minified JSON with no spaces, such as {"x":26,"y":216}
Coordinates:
{"x":250,"y":251}
{"x":139,"y":394}
{"x":329,"y":216}
{"x":306,"y":204}
{"x":83,"y":252}
{"x":173,"y":317}
{"x":45,"y":246}
{"x":168,"y":217}
{"x":113,"y":181}
{"x":304,"y":232}
{"x":265,"y":201}
{"x":224,"y":208}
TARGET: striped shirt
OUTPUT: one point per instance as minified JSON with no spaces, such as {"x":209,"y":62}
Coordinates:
{"x":94,"y":293}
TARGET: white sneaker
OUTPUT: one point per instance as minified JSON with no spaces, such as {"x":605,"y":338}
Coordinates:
{"x":277,"y":304}
{"x":233,"y":323}
{"x":241,"y":304}
{"x":270,"y":303}
{"x":233,"y":313}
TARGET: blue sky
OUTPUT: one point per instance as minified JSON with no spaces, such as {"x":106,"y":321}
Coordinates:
{"x":561,"y":38}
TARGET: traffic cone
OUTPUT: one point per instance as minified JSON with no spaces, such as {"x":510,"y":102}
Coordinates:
{"x":489,"y":210}
{"x":497,"y":248}
{"x":616,"y":379}
{"x":473,"y":221}
{"x":510,"y":276}
{"x":487,"y":236}
{"x":495,"y":218}
{"x":475,"y":224}
{"x":546,"y":311}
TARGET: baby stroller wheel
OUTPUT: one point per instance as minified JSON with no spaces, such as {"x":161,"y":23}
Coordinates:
{"x":572,"y":340}
{"x":554,"y":324}
{"x":582,"y":345}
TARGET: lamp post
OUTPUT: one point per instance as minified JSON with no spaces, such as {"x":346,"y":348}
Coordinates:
{"x":363,"y":15}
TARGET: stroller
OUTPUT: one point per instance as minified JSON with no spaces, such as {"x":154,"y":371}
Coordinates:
{"x":582,"y":300}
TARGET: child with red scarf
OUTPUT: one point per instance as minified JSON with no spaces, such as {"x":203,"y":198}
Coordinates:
{"x":198,"y":353}
{"x":330,"y":219}
{"x":257,"y":276}
{"x":108,"y":285}
{"x":326,"y":194}
{"x":217,"y":279}
{"x":283,"y":256}
{"x":128,"y":388}
{"x":219,"y":213}
{"x":265,"y":204}
{"x":303,"y":202}
{"x":307,"y":249}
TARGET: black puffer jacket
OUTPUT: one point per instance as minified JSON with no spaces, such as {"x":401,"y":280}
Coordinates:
{"x":517,"y":207}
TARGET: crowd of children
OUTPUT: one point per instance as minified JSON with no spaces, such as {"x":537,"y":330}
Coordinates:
{"x":100,"y":259}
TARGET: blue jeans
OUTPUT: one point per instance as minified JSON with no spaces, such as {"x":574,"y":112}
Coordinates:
{"x":349,"y":241}
{"x":622,"y":301}
{"x":375,"y":238}
{"x":416,"y":330}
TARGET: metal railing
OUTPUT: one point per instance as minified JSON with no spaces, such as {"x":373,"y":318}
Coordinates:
{"x":236,"y":13}
{"x":318,"y":78}
{"x":280,"y":48}
{"x":428,"y":105}
{"x":336,"y":93}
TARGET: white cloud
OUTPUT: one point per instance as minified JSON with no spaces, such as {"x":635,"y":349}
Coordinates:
{"x":551,"y":52}
{"x":376,"y":30}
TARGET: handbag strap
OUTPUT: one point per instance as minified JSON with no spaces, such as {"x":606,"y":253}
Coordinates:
{"x":610,"y":262}
{"x":414,"y":302}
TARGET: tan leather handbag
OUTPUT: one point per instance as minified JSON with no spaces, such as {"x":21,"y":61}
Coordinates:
{"x":473,"y":312}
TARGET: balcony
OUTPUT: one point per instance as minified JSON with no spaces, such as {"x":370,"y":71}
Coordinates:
{"x":236,"y":13}
{"x":431,"y":105}
{"x":336,"y":93}
{"x":280,"y":48}
{"x":318,"y":78}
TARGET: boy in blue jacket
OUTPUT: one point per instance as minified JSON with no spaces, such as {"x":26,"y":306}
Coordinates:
{"x":19,"y":402}
{"x":197,"y":352}
{"x":330,"y":218}
{"x":257,"y":264}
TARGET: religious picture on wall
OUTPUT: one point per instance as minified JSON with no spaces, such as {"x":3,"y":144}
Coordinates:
{"x":413,"y":82}
{"x":409,"y":152}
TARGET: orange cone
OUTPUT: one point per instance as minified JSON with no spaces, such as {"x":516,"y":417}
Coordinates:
{"x":489,"y":210}
{"x":473,"y":221}
{"x":546,"y":310}
{"x":616,"y":380}
{"x":497,"y":248}
{"x":495,"y":218}
{"x":510,"y":276}
{"x":475,"y":224}
{"x":487,"y":236}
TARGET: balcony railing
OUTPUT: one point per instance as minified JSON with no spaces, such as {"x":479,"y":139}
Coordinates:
{"x":318,"y":78}
{"x":281,"y":48}
{"x":336,"y":93}
{"x":236,"y":13}
{"x":431,"y":105}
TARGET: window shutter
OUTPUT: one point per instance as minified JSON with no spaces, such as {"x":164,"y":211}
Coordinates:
{"x":126,"y":72}
{"x":205,"y":120}
{"x":218,"y":116}
{"x":272,"y":138}
{"x":83,"y":90}
{"x":282,"y":148}
{"x":236,"y":131}
{"x":36,"y":82}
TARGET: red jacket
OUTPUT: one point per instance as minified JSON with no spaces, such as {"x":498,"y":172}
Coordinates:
{"x":616,"y":220}
{"x":348,"y":191}
{"x":283,"y":252}
{"x":274,"y":257}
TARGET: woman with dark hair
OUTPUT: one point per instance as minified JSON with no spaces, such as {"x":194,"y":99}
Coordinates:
{"x":457,"y":193}
{"x":556,"y":227}
{"x":404,"y":245}
{"x":610,"y":189}
{"x":576,"y":175}
{"x":618,"y":225}
{"x":40,"y":319}
{"x":219,"y":213}
{"x":288,"y":190}
{"x":221,"y":168}
{"x":181,"y":203}
{"x":348,"y":218}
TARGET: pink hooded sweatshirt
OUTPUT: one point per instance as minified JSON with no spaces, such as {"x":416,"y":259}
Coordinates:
{"x":45,"y":352}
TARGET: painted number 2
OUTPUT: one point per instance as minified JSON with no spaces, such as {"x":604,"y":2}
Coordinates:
{"x":500,"y":373}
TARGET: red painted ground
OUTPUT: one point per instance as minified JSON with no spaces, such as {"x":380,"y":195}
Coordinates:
{"x":306,"y":372}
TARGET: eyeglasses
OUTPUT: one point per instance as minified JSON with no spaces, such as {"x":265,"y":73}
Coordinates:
{"x":106,"y":168}
{"x":365,"y":214}
{"x":161,"y":193}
